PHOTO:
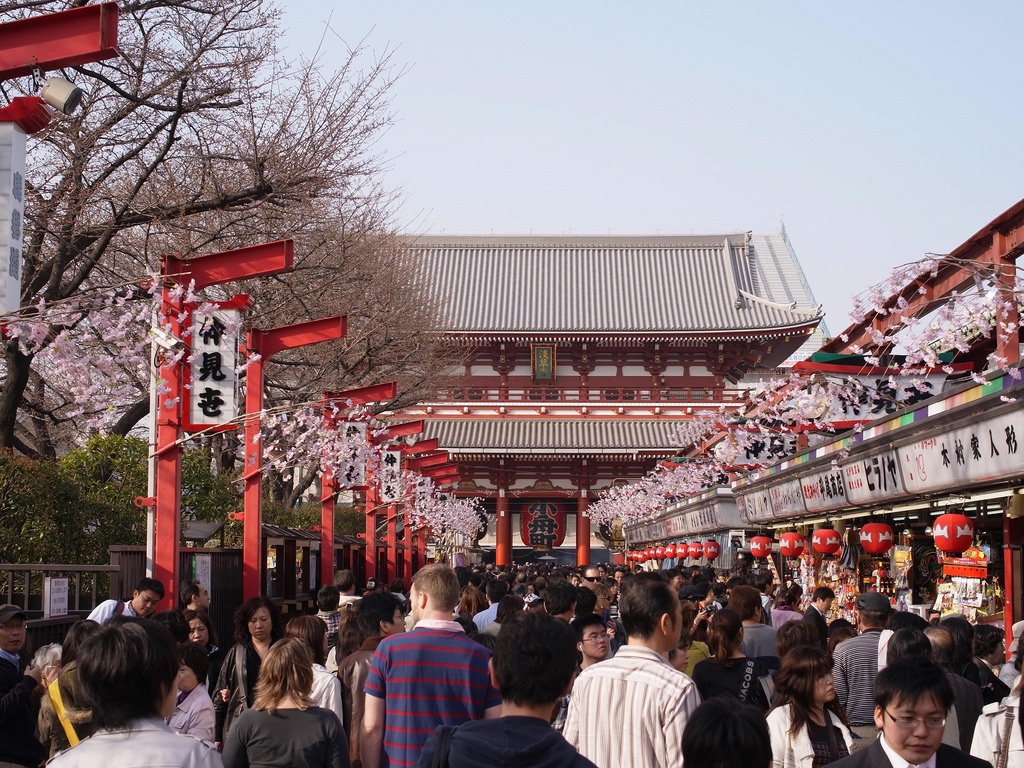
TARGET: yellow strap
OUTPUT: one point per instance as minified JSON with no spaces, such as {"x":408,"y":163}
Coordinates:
{"x":62,"y":715}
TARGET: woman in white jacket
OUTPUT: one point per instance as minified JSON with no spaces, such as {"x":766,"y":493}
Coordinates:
{"x":994,"y":724}
{"x":808,"y":726}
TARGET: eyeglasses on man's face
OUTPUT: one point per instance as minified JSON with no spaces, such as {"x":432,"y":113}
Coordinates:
{"x":595,"y":638}
{"x":591,"y":578}
{"x":910,"y":723}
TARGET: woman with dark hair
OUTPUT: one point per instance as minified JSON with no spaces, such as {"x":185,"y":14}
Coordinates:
{"x":721,"y":735}
{"x":283,"y":727}
{"x":193,"y":711}
{"x":508,"y":607}
{"x":787,"y":606}
{"x":202,"y":633}
{"x":838,"y":631}
{"x":793,"y":634}
{"x":257,"y":627}
{"x":471,"y":602}
{"x":808,"y":727}
{"x":129,"y":671}
{"x":52,"y":732}
{"x":729,"y":672}
{"x":989,"y":655}
{"x":963,"y":646}
{"x":326,"y":691}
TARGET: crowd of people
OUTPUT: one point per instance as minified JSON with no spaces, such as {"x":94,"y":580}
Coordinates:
{"x":525,"y":666}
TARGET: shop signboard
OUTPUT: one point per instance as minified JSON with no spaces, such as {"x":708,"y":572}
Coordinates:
{"x":981,"y":452}
{"x":874,"y":478}
{"x":824,"y":491}
{"x":787,"y":499}
{"x":755,"y":506}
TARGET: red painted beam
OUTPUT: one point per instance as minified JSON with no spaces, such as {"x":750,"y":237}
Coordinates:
{"x":226,"y":266}
{"x":404,"y":429}
{"x":56,"y":40}
{"x":362,"y":395}
{"x":274,"y":340}
{"x":418,"y":463}
{"x":420,"y":446}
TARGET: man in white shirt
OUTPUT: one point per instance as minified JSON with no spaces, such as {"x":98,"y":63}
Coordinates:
{"x":145,"y":598}
{"x":630,"y":711}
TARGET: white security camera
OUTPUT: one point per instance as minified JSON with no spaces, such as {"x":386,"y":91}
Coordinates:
{"x":60,"y":94}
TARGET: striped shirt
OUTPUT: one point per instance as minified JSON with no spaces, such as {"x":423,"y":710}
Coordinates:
{"x":427,"y":677}
{"x":630,"y":711}
{"x":856,"y":666}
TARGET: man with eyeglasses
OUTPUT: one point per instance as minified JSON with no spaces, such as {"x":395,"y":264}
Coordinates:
{"x":912,"y":696}
{"x":592,"y":639}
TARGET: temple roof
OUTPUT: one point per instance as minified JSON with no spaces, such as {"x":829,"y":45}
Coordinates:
{"x":553,"y":436}
{"x":611,"y":284}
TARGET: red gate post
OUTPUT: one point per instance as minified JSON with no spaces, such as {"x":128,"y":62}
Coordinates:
{"x":223,"y":267}
{"x":391,"y":433}
{"x":582,"y":529}
{"x":358,"y":396}
{"x":414,"y":556}
{"x":264,"y":344}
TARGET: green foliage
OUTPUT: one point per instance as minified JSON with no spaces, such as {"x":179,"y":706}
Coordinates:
{"x":72,"y":510}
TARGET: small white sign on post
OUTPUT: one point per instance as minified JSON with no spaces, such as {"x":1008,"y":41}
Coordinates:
{"x":204,"y":570}
{"x":55,"y":596}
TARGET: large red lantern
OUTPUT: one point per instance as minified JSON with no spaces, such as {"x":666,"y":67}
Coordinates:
{"x":876,"y":538}
{"x":953,"y":533}
{"x":695,"y":550}
{"x":712,"y":549}
{"x":542,"y":525}
{"x":760,"y":547}
{"x":659,"y":553}
{"x":641,"y":557}
{"x":791,"y":544}
{"x":826,"y":541}
{"x":670,"y":550}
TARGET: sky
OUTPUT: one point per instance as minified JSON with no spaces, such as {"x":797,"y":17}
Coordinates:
{"x":877,"y":132}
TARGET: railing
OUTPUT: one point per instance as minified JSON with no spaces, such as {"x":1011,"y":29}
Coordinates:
{"x":591,"y":394}
{"x":88,"y":586}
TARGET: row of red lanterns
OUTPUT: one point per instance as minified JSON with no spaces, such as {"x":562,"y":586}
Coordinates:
{"x":695,"y":549}
{"x":953,"y":533}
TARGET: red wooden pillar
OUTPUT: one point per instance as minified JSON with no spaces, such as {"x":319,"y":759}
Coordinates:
{"x":371,"y":531}
{"x":408,"y":563}
{"x":327,"y":564}
{"x":1013,"y":536}
{"x":503,"y":530}
{"x":582,"y":529}
{"x":422,"y":538}
{"x":265,"y":344}
{"x":392,"y":517}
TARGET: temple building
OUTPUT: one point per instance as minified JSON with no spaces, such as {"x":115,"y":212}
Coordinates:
{"x":584,"y":354}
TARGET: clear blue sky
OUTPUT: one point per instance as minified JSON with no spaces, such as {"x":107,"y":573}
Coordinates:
{"x":878,"y":131}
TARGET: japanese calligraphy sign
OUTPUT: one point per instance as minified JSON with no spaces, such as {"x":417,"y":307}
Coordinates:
{"x":986,"y":450}
{"x":352,"y":472}
{"x":787,"y":498}
{"x":755,"y":506}
{"x":824,"y":491}
{"x":12,"y":214}
{"x":389,"y":477}
{"x":542,"y":525}
{"x":212,"y":391}
{"x":873,"y":478}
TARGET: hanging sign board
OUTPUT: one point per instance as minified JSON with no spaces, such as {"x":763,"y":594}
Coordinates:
{"x":824,"y":491}
{"x":211,"y":391}
{"x":12,"y":215}
{"x":874,"y":478}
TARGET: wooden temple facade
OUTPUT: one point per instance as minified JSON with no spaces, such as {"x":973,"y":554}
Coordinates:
{"x":583,"y":355}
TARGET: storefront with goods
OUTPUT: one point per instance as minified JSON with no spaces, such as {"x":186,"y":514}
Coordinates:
{"x":924,"y":505}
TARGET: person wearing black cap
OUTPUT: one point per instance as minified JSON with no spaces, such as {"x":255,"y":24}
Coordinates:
{"x":18,"y":744}
{"x":856,"y":665}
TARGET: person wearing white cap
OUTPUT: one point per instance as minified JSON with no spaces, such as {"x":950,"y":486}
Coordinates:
{"x":18,"y":744}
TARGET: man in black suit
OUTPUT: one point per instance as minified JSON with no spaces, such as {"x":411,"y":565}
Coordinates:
{"x":912,"y":697}
{"x":821,"y":603}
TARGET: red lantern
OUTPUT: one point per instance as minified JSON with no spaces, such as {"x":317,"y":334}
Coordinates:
{"x":953,"y":533}
{"x":876,"y":538}
{"x":712,"y":549}
{"x":542,"y":525}
{"x":641,"y":557}
{"x":791,"y":544}
{"x":826,"y":541}
{"x":696,"y":549}
{"x":670,"y":550}
{"x":659,"y":553}
{"x":760,"y":547}
{"x":649,"y":553}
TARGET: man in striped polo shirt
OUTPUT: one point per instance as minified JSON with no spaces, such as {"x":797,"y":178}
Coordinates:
{"x":856,"y":665}
{"x":432,"y":675}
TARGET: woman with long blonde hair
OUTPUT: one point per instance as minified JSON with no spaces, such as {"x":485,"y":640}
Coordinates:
{"x":283,"y":728}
